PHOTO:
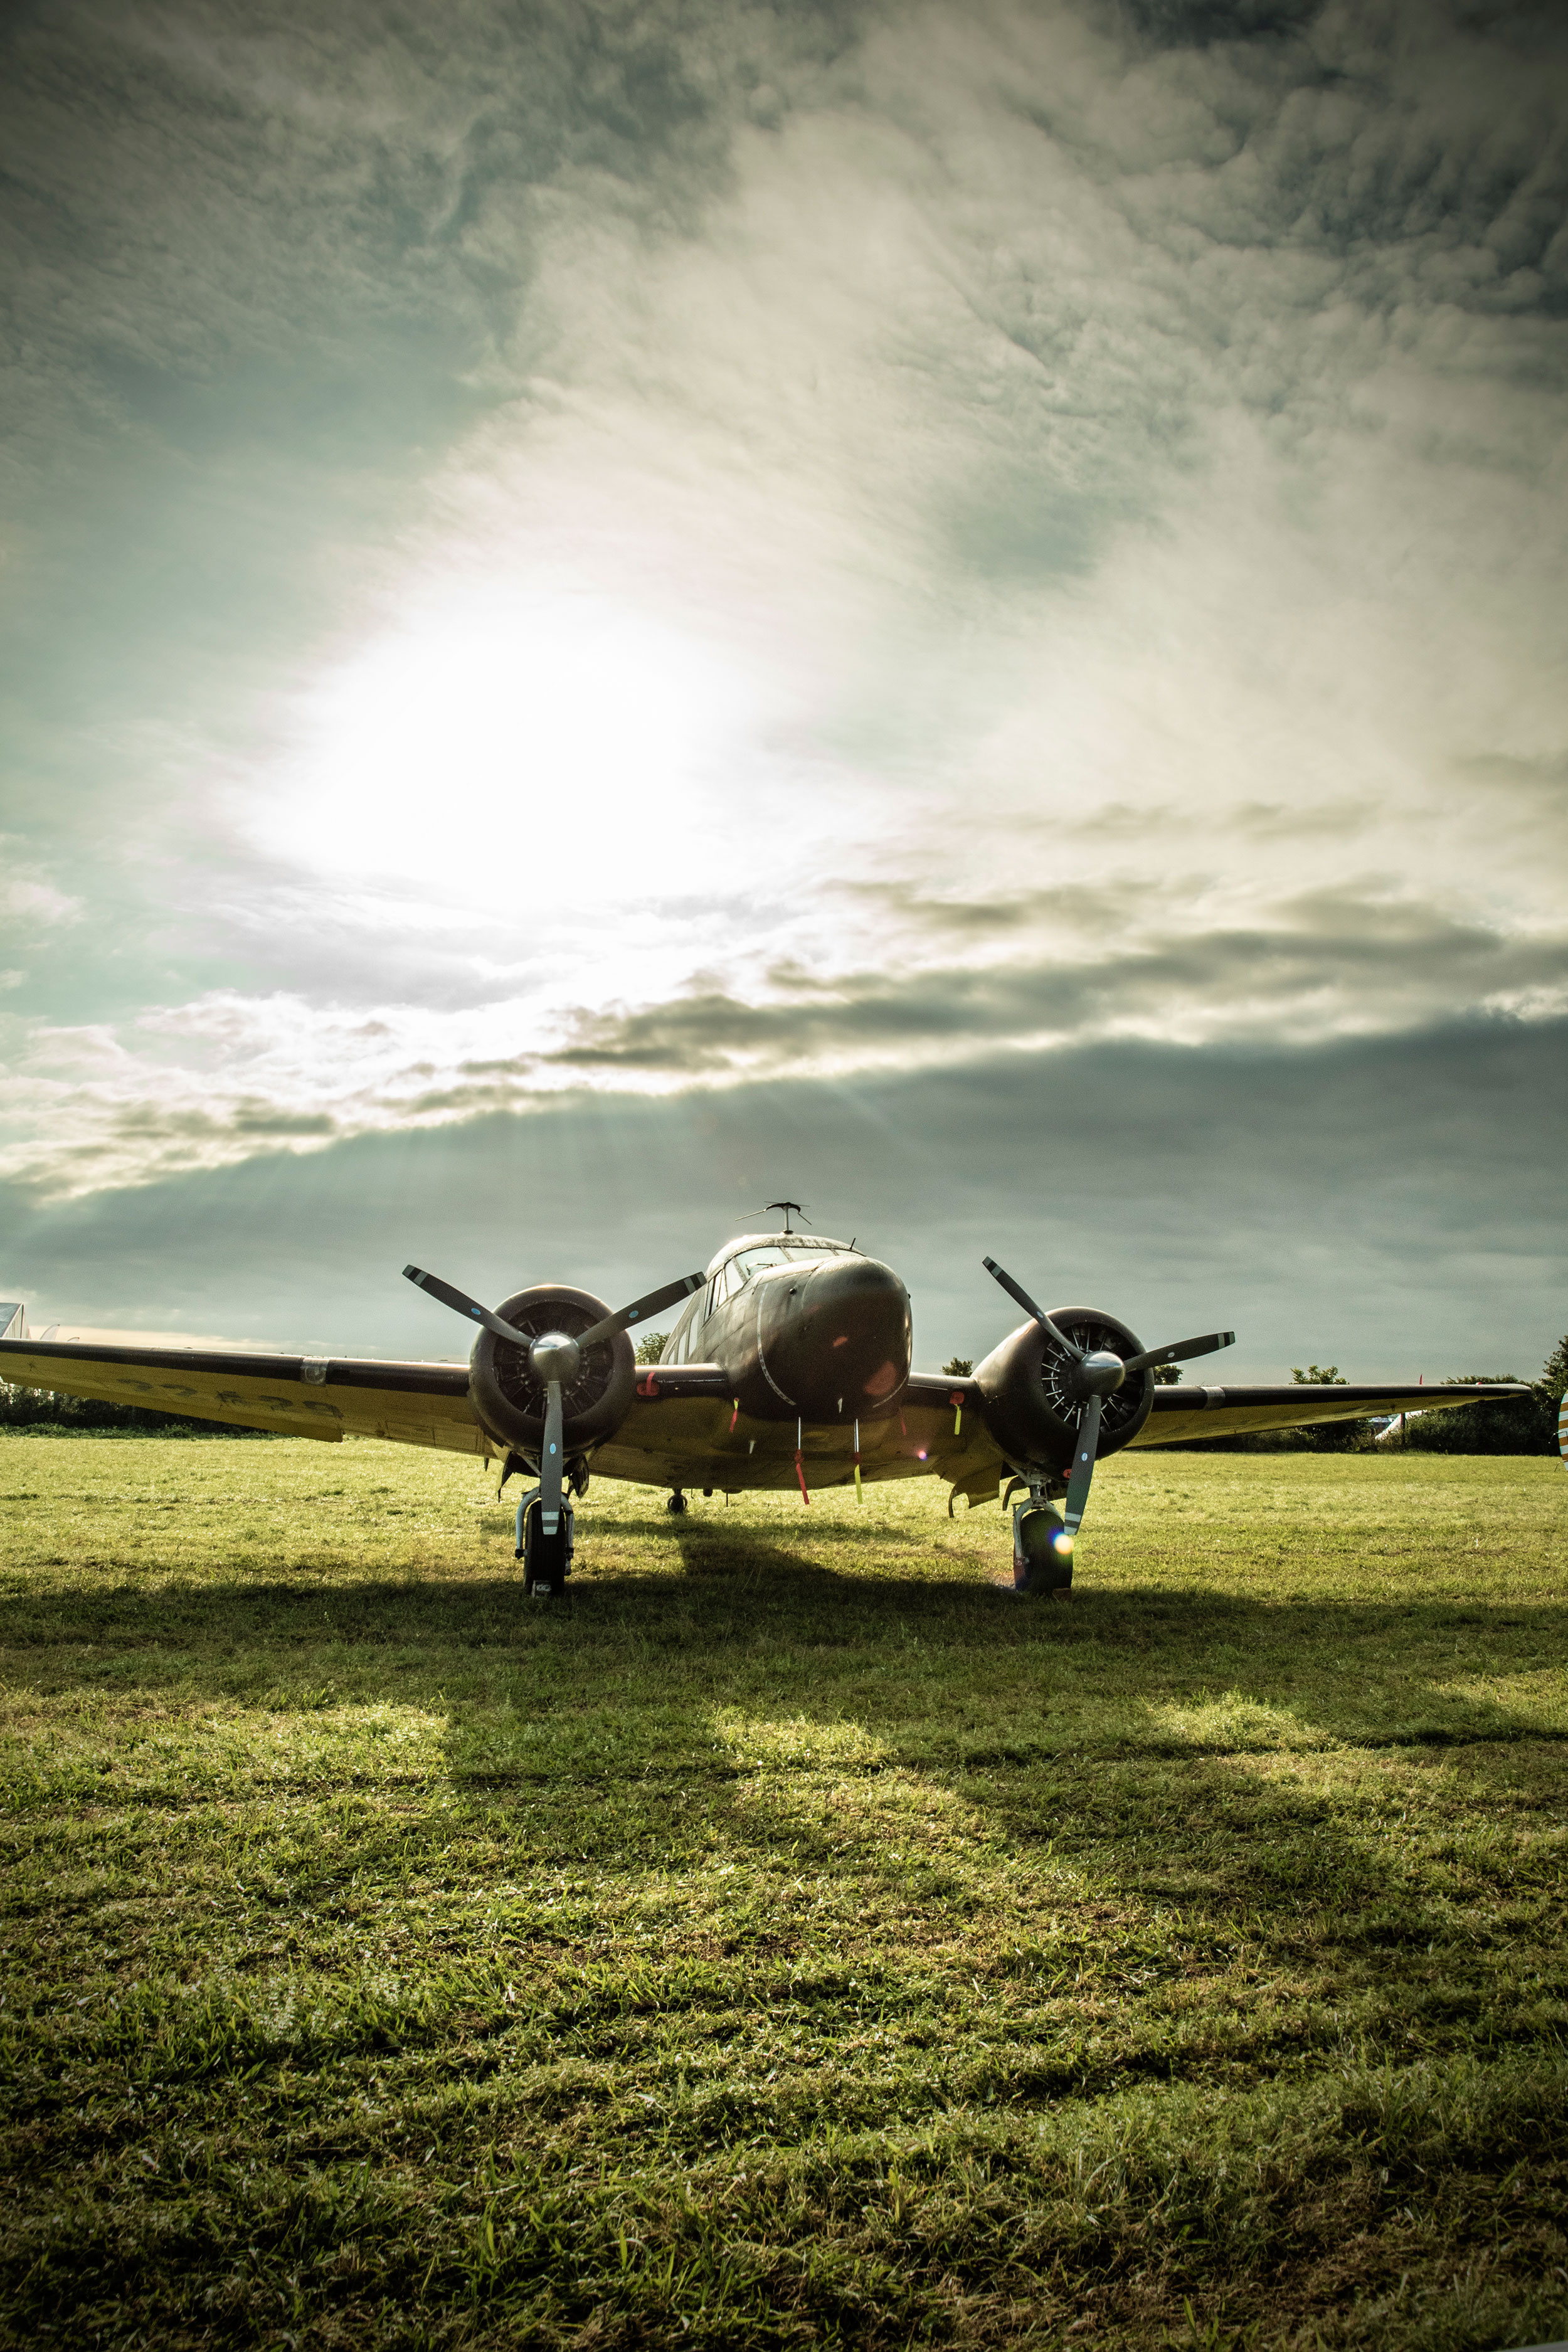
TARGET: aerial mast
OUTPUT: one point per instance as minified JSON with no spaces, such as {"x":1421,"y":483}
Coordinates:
{"x":786,"y":1206}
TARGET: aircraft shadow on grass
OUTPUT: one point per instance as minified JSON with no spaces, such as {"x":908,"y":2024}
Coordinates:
{"x":1311,"y":1659}
{"x":1154,"y":1740}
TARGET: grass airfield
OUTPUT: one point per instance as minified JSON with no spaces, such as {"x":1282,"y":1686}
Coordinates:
{"x":793,"y":1937}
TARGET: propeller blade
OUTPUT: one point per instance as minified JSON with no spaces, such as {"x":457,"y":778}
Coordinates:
{"x":653,"y":1304}
{"x":461,"y":1304}
{"x":550,"y":1461}
{"x":1029,"y":1308}
{"x":1082,"y":1465}
{"x":1179,"y":1352}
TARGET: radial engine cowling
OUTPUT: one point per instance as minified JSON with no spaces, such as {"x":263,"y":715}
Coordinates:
{"x":1032,"y":1399}
{"x":509,"y":1396}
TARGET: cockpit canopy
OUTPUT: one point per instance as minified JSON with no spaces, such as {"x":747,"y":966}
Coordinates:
{"x":734,"y":1264}
{"x":757,"y":1250}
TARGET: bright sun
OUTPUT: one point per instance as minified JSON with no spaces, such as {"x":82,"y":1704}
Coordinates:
{"x":499,"y":744}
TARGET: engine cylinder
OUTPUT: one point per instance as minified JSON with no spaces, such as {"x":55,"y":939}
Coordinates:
{"x":1032,"y":1404}
{"x":509,"y":1396}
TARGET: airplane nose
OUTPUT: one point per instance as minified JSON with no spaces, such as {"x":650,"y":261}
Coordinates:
{"x":844,"y":1347}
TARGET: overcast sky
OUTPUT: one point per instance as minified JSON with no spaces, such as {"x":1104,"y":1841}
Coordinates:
{"x":955,"y":610}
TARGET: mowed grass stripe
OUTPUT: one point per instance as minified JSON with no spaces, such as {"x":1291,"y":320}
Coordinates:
{"x":793,"y":1937}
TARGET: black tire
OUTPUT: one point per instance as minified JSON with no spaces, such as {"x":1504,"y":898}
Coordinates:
{"x":677,"y":1502}
{"x":546,"y":1559}
{"x":1047,"y":1564}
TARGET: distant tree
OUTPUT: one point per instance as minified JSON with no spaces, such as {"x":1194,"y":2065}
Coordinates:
{"x":1330,"y":1436}
{"x":1167,"y":1376}
{"x":1526,"y":1424}
{"x":650,"y":1347}
{"x":958,"y":1368}
{"x":1553,"y":1382}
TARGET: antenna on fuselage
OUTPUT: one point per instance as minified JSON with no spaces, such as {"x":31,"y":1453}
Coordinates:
{"x":786,"y":1206}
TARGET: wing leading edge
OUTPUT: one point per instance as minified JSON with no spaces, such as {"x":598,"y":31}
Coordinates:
{"x":292,"y":1396}
{"x":1183,"y":1413}
{"x":679,"y":1430}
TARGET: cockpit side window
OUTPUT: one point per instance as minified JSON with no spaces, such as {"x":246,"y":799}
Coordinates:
{"x":678,"y":1347}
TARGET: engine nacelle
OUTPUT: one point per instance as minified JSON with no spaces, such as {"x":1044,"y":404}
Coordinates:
{"x":1031,"y":1404}
{"x":509,"y":1396}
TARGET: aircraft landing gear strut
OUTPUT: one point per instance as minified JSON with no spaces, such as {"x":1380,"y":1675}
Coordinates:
{"x":1042,"y":1547}
{"x":677,"y":1502}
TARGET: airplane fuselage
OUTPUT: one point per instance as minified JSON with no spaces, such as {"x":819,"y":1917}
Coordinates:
{"x":803,"y":1329}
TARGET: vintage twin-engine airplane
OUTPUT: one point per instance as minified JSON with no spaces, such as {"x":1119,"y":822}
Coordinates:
{"x":789,"y":1367}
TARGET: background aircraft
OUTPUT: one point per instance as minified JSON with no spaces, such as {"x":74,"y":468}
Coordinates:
{"x":789,"y":1366}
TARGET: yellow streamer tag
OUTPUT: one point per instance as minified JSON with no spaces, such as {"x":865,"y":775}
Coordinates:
{"x":957,"y":1420}
{"x":859,"y":1497}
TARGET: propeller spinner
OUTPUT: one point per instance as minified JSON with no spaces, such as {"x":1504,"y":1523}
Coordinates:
{"x":555,"y":1358}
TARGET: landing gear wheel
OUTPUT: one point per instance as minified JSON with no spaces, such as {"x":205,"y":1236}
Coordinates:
{"x":1042,"y":1551}
{"x":677,"y":1502}
{"x":546,"y":1559}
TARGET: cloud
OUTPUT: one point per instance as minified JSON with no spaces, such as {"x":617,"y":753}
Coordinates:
{"x":1332,"y":964}
{"x":29,"y":902}
{"x":274,"y":1076}
{"x":682,"y":547}
{"x":1393,"y":1204}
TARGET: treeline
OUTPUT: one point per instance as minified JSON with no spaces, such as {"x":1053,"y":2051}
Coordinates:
{"x":1521,"y":1426}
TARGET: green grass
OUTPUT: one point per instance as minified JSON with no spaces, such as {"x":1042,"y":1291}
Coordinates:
{"x":793,"y":1937}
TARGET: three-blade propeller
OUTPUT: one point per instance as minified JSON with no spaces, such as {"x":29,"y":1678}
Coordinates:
{"x":554,"y":1357}
{"x":1096,"y":1375}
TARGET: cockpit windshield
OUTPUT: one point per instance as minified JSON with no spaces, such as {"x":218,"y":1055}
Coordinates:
{"x":734,"y":1266}
{"x":750,"y":1262}
{"x":779,"y":1249}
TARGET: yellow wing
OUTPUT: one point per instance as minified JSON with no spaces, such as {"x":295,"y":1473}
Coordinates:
{"x":1182,"y":1413}
{"x":294,"y":1396}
